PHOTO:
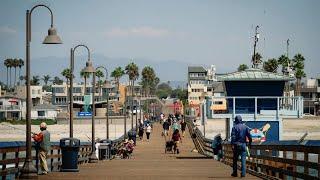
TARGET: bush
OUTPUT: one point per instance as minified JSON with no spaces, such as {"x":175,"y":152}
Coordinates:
{"x":33,"y":121}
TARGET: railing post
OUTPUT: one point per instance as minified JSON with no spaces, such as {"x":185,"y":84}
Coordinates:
{"x":4,"y":166}
{"x":306,"y":159}
{"x":234,"y":107}
{"x":294,"y":168}
{"x":255,"y":108}
{"x":278,"y":108}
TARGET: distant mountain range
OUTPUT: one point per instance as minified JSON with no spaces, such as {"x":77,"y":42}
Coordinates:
{"x":169,"y":70}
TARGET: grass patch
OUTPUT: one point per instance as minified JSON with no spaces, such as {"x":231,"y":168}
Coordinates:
{"x":33,"y":121}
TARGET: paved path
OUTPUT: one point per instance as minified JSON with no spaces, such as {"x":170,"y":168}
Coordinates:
{"x":149,"y":161}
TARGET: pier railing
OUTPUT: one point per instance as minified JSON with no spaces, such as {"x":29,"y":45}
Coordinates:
{"x":12,"y":156}
{"x":278,"y":160}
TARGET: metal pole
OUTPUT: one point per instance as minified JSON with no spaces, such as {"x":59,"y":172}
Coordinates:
{"x":71,"y":93}
{"x":28,"y":168}
{"x":93,"y":158}
{"x":125,"y":112}
{"x":255,"y":64}
{"x":107,"y":113}
{"x":131,"y":108}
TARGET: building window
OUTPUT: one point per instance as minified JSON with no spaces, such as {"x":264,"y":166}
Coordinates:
{"x":41,"y":113}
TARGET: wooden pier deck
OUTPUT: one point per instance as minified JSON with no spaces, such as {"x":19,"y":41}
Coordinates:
{"x":149,"y":161}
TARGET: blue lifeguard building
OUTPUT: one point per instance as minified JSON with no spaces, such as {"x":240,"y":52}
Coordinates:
{"x":258,"y":96}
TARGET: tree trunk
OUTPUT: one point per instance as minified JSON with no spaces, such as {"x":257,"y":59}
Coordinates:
{"x":10,"y":77}
{"x":19,"y":76}
{"x":7,"y":77}
{"x":15,"y":76}
{"x":298,"y":86}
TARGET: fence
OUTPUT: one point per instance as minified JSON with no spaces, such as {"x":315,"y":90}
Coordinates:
{"x":278,"y":160}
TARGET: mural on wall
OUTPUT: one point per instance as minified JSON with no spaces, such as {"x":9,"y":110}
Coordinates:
{"x":262,"y":131}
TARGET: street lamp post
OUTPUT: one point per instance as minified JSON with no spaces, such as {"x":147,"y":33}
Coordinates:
{"x":107,"y":113}
{"x":90,"y":69}
{"x":125,"y":112}
{"x":71,"y":85}
{"x":28,"y":169}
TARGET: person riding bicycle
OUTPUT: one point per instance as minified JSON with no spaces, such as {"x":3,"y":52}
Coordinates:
{"x":176,"y":138}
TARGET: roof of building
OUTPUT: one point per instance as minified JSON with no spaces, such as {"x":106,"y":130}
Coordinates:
{"x":253,"y":74}
{"x":45,"y":107}
{"x":196,"y":69}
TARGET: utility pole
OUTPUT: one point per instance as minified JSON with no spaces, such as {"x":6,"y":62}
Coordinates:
{"x":287,"y":84}
{"x":256,"y":38}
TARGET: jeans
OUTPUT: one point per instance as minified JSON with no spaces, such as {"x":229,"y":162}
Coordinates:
{"x":239,"y":150}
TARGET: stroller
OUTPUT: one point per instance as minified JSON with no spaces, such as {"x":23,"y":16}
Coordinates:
{"x":169,"y":146}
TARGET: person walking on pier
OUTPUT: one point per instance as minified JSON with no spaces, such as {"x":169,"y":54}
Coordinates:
{"x":43,"y":138}
{"x":148,"y":131}
{"x":239,"y":134}
{"x":183,"y":125}
{"x":141,"y":130}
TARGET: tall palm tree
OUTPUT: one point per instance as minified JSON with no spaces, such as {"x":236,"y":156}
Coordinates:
{"x":117,"y":73}
{"x":242,"y":67}
{"x":132,"y":71}
{"x":148,"y":79}
{"x":67,"y":74}
{"x":85,"y":76}
{"x":271,"y":65}
{"x":15,"y":64}
{"x":7,"y":64}
{"x":284,"y":61}
{"x":21,"y":63}
{"x":99,"y":75}
{"x":298,"y":66}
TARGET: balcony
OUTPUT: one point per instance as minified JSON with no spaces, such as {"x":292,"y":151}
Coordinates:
{"x":10,"y":108}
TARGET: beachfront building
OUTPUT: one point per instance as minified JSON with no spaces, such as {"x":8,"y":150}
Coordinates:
{"x":311,"y":96}
{"x":202,"y":83}
{"x":44,"y":111}
{"x":257,"y":96}
{"x":82,"y":97}
{"x":12,"y":108}
{"x":36,"y":94}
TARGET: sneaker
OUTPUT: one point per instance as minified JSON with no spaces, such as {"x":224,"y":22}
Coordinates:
{"x":234,"y":175}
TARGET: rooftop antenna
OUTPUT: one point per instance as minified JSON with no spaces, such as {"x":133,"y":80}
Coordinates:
{"x":256,"y":38}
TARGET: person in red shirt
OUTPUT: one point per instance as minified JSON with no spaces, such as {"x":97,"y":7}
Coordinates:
{"x":43,"y":139}
{"x":176,"y":138}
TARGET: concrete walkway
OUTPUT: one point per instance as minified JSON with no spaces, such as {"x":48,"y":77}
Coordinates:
{"x":149,"y":161}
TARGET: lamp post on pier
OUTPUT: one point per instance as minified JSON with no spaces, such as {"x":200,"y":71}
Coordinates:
{"x":107,"y":92}
{"x":71,"y":85}
{"x":90,"y":69}
{"x":28,"y":170}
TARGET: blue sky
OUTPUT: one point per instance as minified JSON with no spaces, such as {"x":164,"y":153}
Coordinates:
{"x":195,"y":32}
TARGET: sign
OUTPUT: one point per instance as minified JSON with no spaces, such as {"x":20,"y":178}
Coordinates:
{"x":84,"y":114}
{"x":262,"y":131}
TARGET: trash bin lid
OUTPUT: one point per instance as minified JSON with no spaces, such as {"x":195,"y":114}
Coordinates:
{"x":69,"y":142}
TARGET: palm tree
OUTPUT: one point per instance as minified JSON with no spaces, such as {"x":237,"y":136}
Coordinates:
{"x":46,"y":79}
{"x":271,"y":65}
{"x":21,"y":63}
{"x":7,"y":64}
{"x":148,"y":78}
{"x":284,"y":61}
{"x":15,"y":65}
{"x":99,"y":75}
{"x":132,"y":71}
{"x":298,"y":66}
{"x":242,"y":67}
{"x":35,"y":81}
{"x":85,"y":76}
{"x":67,"y":74}
{"x":57,"y":80}
{"x":257,"y":58}
{"x":117,"y":73}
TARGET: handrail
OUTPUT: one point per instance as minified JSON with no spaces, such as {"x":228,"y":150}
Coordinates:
{"x":268,"y":160}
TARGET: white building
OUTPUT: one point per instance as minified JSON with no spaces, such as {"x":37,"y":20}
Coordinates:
{"x":45,"y":111}
{"x":36,"y":94}
{"x":12,"y":108}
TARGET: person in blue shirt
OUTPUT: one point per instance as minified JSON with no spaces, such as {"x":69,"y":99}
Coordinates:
{"x":239,"y":135}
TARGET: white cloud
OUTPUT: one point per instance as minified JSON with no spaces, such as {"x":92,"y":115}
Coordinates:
{"x":7,"y":30}
{"x":143,"y":31}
